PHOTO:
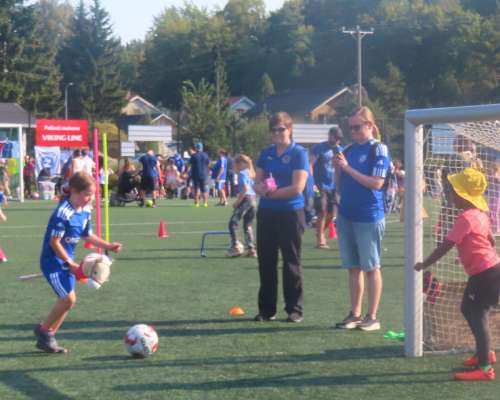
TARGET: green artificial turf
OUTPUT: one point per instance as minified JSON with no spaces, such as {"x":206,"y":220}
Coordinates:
{"x":204,"y":353}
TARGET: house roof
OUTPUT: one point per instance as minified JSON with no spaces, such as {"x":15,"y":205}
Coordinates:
{"x":13,"y":113}
{"x":138,"y":106}
{"x":240,"y":103}
{"x":297,"y":102}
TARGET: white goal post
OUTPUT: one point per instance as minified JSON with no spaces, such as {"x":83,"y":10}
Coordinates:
{"x":415,"y":120}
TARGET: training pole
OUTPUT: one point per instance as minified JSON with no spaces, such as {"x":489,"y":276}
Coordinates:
{"x":97,"y":187}
{"x":106,"y":191}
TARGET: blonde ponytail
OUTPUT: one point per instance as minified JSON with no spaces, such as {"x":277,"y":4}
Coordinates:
{"x":367,"y":116}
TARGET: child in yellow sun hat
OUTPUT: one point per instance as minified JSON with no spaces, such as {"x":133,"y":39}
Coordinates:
{"x":476,"y":249}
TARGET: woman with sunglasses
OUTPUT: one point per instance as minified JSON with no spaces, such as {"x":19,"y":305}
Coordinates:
{"x":360,"y":173}
{"x":281,"y":176}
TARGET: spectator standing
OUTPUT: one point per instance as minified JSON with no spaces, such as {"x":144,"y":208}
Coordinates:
{"x":324,"y":179}
{"x":149,"y":176}
{"x":179,"y":163}
{"x":172,"y":177}
{"x":88,"y":165}
{"x":199,"y":174}
{"x":360,"y":171}
{"x":230,"y":186}
{"x":4,"y":178}
{"x":28,"y":174}
{"x":76,"y":162}
{"x":220,"y":172}
{"x":281,"y":176}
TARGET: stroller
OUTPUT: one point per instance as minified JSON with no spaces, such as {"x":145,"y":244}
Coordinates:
{"x":128,"y":189}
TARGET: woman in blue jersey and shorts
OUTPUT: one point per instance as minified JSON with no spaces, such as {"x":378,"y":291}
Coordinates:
{"x":360,"y":173}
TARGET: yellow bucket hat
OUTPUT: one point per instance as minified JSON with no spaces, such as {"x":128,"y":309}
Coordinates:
{"x":470,"y":184}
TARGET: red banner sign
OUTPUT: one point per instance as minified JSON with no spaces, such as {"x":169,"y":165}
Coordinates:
{"x":62,"y":133}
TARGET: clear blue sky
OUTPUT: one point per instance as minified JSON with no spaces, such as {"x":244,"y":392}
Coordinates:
{"x":133,"y":18}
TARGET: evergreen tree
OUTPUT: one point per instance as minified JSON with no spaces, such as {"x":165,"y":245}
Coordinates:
{"x":289,"y":40}
{"x":390,"y":91}
{"x":29,"y":75}
{"x":200,"y":117}
{"x":75,"y":61}
{"x":131,"y":57}
{"x":90,"y":59}
{"x":107,"y":93}
{"x":11,"y":88}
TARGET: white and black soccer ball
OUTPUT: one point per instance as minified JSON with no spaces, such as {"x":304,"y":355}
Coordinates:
{"x":141,"y":340}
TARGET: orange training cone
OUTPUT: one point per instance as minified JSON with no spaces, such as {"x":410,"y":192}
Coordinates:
{"x":236,"y":311}
{"x":162,"y":230}
{"x":88,"y":246}
{"x":3,"y":257}
{"x":332,"y":233}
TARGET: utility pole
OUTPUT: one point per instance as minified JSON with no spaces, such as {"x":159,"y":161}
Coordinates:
{"x":358,"y":34}
{"x":218,"y":78}
{"x":4,"y":53}
{"x":66,"y":99}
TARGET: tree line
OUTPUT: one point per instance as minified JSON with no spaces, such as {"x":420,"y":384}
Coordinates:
{"x":424,"y":53}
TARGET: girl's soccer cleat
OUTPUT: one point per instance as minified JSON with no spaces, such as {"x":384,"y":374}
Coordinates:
{"x":234,"y":252}
{"x":251,"y":253}
{"x":46,"y":341}
{"x":473,"y":361}
{"x":476,"y":375}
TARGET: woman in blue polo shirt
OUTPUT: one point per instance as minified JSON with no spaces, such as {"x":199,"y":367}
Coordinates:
{"x":360,"y":173}
{"x":281,"y":176}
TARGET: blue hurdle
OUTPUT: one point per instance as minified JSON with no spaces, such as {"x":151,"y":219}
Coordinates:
{"x":204,"y":238}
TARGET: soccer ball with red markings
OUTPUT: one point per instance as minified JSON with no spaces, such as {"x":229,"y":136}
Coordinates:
{"x":141,"y":340}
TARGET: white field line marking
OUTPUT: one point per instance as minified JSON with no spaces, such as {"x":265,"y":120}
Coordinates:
{"x":115,"y":234}
{"x":123,"y":224}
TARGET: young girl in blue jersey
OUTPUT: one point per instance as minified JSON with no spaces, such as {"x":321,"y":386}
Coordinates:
{"x":244,"y":207}
{"x":220,"y":172}
{"x":69,"y":222}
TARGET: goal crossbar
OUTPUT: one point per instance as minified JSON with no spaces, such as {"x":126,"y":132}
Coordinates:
{"x":414,"y":123}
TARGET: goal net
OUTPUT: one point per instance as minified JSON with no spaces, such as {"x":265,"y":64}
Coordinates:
{"x":448,"y":141}
{"x":448,"y":149}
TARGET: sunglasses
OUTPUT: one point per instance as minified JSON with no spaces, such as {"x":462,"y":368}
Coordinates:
{"x":356,"y":128}
{"x":278,"y":129}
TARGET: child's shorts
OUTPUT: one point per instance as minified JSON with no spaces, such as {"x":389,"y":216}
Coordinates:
{"x":484,"y":288}
{"x":220,"y":185}
{"x":62,"y":281}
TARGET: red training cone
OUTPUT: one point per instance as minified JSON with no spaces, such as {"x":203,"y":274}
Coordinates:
{"x":3,"y":257}
{"x":88,"y":246}
{"x":332,"y":232}
{"x":162,"y":230}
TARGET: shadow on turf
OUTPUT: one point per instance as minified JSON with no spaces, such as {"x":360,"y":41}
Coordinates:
{"x":30,"y":387}
{"x":78,"y":330}
{"x":167,"y":257}
{"x":295,"y":380}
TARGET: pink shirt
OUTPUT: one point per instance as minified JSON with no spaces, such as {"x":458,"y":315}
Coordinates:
{"x":470,"y":234}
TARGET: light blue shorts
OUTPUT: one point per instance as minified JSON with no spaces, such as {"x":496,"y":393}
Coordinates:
{"x":220,"y":185}
{"x":360,"y":243}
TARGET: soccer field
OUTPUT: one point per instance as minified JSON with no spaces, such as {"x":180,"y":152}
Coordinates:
{"x":204,"y":353}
